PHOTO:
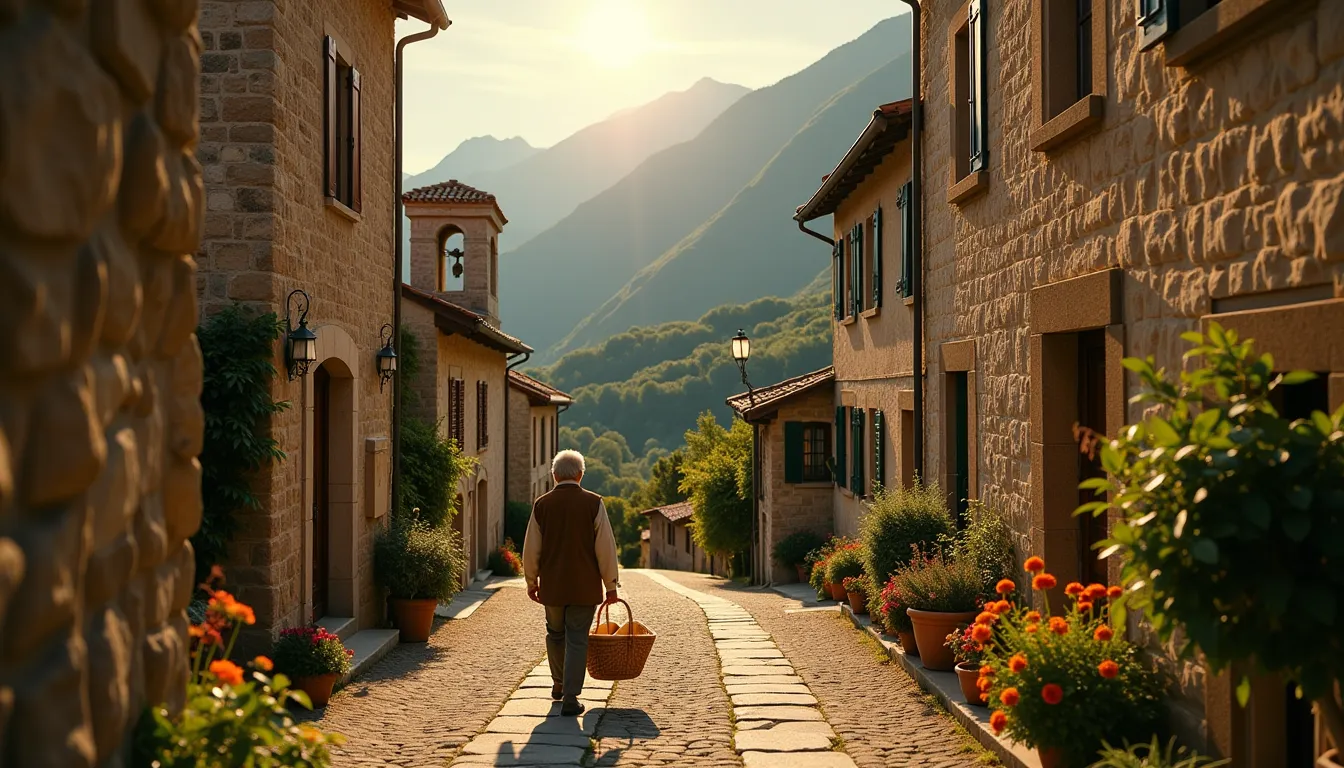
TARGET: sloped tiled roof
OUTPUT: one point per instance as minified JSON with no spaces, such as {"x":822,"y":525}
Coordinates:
{"x":452,"y":318}
{"x":539,"y":392}
{"x":889,"y":126}
{"x":428,"y":11}
{"x":451,"y":191}
{"x":673,"y":512}
{"x":766,"y":400}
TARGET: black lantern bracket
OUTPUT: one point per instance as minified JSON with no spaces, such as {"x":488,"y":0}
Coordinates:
{"x":741,"y":353}
{"x":300,"y":341}
{"x":387,"y":356}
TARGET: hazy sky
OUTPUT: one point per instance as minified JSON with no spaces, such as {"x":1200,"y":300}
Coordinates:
{"x":542,"y":69}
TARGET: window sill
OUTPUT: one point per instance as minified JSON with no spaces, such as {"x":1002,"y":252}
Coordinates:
{"x":344,"y":210}
{"x":1082,"y":117}
{"x":1211,"y":32}
{"x":850,"y":320}
{"x":868,"y":314}
{"x":968,"y":187}
{"x":909,"y":301}
{"x":813,"y":484}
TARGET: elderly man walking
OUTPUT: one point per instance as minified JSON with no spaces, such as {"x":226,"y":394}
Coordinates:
{"x":569,"y":557}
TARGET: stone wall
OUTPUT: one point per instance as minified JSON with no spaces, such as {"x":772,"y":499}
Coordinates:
{"x":100,"y":420}
{"x":792,"y":507}
{"x":889,"y":396}
{"x":523,"y":423}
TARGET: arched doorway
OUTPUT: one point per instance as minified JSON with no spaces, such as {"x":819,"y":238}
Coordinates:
{"x":482,"y":546}
{"x":460,"y":512}
{"x":320,"y":555}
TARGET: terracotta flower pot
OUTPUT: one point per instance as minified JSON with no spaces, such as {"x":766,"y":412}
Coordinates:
{"x":858,"y":602}
{"x":908,"y":643}
{"x":826,"y":587}
{"x":1051,"y":758}
{"x":931,"y":629}
{"x":802,"y":573}
{"x":969,"y":675}
{"x":837,"y":593}
{"x":414,"y":618}
{"x":318,"y":687}
{"x":1331,"y":759}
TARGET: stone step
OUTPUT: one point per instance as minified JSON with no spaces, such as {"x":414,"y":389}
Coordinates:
{"x":369,"y":646}
{"x":340,"y":626}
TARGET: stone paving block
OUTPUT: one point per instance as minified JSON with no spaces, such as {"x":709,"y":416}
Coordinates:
{"x":496,"y":743}
{"x":783,"y":727}
{"x":734,"y":690}
{"x":588,"y":694}
{"x":763,"y":679}
{"x":532,"y":707}
{"x":787,"y":741}
{"x":743,"y":645}
{"x":797,"y":760}
{"x":527,"y":755}
{"x":767,"y":699}
{"x":777,"y":713}
{"x":570,"y":726}
{"x":756,"y":670}
{"x":750,"y":653}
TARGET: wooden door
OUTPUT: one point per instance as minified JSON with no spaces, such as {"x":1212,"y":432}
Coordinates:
{"x":321,"y":484}
{"x":1092,"y":415}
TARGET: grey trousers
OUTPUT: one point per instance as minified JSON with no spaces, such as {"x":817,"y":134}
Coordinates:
{"x":567,"y":644}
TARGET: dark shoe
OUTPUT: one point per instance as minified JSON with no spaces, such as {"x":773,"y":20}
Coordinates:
{"x":557,"y":691}
{"x":571,"y":708}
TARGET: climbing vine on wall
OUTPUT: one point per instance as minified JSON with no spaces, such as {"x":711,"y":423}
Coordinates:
{"x":238,"y":347}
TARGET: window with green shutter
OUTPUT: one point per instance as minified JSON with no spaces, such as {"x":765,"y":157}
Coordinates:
{"x":840,"y":445}
{"x":856,"y":431}
{"x":977,"y":111}
{"x":793,"y":452}
{"x":876,"y":256}
{"x":879,"y":451}
{"x":807,"y":447}
{"x":1156,"y":19}
{"x":856,"y":265}
{"x":838,"y":277}
{"x":904,"y":201}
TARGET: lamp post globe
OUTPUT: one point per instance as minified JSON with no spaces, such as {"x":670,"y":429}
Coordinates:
{"x":741,"y":347}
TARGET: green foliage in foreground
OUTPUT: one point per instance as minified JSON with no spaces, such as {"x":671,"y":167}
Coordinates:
{"x":718,"y":480}
{"x":1154,"y":755}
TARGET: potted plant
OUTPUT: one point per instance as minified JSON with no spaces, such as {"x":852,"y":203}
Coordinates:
{"x":1154,"y":755}
{"x":967,"y":651}
{"x":894,"y":616}
{"x":419,"y":565}
{"x":792,"y":551}
{"x":1259,"y":537}
{"x":504,"y":561}
{"x":939,"y":594}
{"x":819,"y":558}
{"x":845,"y":562}
{"x":857,"y":589}
{"x":1064,"y":684}
{"x":898,"y":523}
{"x":314,"y":659}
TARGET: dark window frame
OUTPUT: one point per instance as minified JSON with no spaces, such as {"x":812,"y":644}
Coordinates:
{"x":343,"y":134}
{"x":816,"y":450}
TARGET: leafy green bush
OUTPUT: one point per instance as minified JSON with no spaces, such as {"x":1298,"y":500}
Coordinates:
{"x":844,"y":563}
{"x":237,"y":348}
{"x":1231,"y":524}
{"x":414,"y":560}
{"x":937,"y":583}
{"x":309,"y":652}
{"x":717,"y":478}
{"x":504,"y":561}
{"x":793,"y":549}
{"x":986,"y":541}
{"x":431,"y":466}
{"x":517,"y":514}
{"x":1154,"y":755}
{"x":898,"y":520}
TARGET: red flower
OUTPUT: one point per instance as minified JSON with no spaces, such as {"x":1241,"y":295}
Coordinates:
{"x":1108,"y":669}
{"x":1114,"y":592}
{"x":1034,"y":564}
{"x":998,"y":721}
{"x":1018,"y":662}
{"x":1059,"y":626}
{"x":1009,"y":697}
{"x":1052,"y":694}
{"x":1043,"y":581}
{"x":227,"y":672}
{"x":981,"y":633}
{"x":1095,"y":591}
{"x":1005,"y":586}
{"x":1103,"y":633}
{"x":1074,"y":589}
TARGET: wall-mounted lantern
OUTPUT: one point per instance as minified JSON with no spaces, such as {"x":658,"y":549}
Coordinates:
{"x":387,"y":358}
{"x":300,"y":342}
{"x":742,"y":353}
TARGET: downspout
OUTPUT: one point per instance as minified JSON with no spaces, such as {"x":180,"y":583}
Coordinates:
{"x":508,"y":368}
{"x":917,"y":191}
{"x":443,"y":22}
{"x":757,"y":555}
{"x":802,"y":227}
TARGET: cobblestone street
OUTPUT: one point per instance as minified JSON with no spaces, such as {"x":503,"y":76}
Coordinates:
{"x":802,"y":680}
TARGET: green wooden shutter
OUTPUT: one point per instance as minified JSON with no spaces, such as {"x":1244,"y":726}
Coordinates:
{"x":877,"y":257}
{"x":793,"y":452}
{"x":879,"y":451}
{"x":906,"y":202}
{"x":840,"y":445}
{"x":979,"y":115}
{"x":1156,"y":19}
{"x":856,"y":273}
{"x":838,"y":277}
{"x":856,"y":445}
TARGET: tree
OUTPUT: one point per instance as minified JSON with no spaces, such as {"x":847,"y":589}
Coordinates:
{"x":717,"y":479}
{"x":626,"y":524}
{"x":664,"y":486}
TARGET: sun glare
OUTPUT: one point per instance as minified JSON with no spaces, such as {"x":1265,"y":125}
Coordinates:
{"x":614,"y":33}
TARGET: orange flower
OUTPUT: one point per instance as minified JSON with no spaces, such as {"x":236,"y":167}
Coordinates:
{"x":1095,"y":591}
{"x":998,"y":721}
{"x":225,"y":604}
{"x":986,"y":671}
{"x":1059,"y":626}
{"x":986,"y":618}
{"x":227,"y":672}
{"x":1074,"y":589}
{"x":1018,"y":662}
{"x":1052,"y":694}
{"x":981,"y":633}
{"x":1031,"y":628}
{"x":1114,"y":592}
{"x":1033,"y":616}
{"x":1009,"y":697}
{"x":1005,"y":586}
{"x":1108,"y":669}
{"x":263,"y":663}
{"x":1043,"y":581}
{"x":1034,"y":564}
{"x":1103,"y":633}
{"x":1084,"y":606}
{"x":1002,"y":607}
{"x":984,"y":684}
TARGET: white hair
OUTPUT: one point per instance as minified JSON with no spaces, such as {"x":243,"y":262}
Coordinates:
{"x":567,"y":465}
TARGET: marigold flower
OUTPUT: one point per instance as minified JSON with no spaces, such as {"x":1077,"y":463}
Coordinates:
{"x":984,"y":684}
{"x":227,"y":605}
{"x":1001,"y":607}
{"x":1108,"y":669}
{"x":998,"y":721}
{"x":1033,"y":616}
{"x":1043,"y":581}
{"x":1114,"y":592}
{"x":1018,"y":662}
{"x":1103,"y":633}
{"x":981,"y":633}
{"x":1084,"y":606}
{"x":1031,"y":628}
{"x":1095,"y":591}
{"x":1059,"y":626}
{"x":1005,"y":586}
{"x":1009,"y":697}
{"x":1034,"y":564}
{"x":1052,"y":694}
{"x":986,"y":618}
{"x":309,"y":734}
{"x":986,"y":671}
{"x":1073,"y":589}
{"x":227,"y":672}
{"x":263,"y":663}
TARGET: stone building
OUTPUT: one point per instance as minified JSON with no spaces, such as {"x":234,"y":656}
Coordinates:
{"x":794,"y":438}
{"x":671,"y":544}
{"x":100,"y":421}
{"x":1106,"y":176}
{"x":297,"y":152}
{"x":534,"y":431}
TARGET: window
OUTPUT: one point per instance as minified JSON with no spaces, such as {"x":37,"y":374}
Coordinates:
{"x":457,"y":389}
{"x":879,"y":451}
{"x":970,"y":154}
{"x":838,"y":277}
{"x":1197,"y":29}
{"x":857,"y":444}
{"x":841,"y":417}
{"x":905,"y":202}
{"x":856,"y":269}
{"x":671,"y":532}
{"x":807,"y":446}
{"x":874,"y":250}
{"x":959,"y":444}
{"x":688,"y":539}
{"x":343,"y":122}
{"x":482,"y":414}
{"x":1069,"y":88}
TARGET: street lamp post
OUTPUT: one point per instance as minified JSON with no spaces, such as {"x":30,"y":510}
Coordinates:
{"x":742,"y":353}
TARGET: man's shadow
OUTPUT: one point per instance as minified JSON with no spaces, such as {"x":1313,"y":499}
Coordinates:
{"x":565,"y":740}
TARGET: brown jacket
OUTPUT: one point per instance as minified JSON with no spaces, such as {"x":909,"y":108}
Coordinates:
{"x":569,"y":547}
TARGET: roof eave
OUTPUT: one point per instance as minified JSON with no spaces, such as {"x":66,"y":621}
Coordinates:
{"x":878,"y":125}
{"x":428,"y":11}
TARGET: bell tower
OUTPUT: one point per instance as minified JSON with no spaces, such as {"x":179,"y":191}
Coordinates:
{"x":455,"y":245}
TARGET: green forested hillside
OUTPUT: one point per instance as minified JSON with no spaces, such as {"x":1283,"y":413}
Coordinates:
{"x":649,"y":383}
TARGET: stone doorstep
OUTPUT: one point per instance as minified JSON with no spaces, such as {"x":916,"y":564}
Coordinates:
{"x":947,"y":689}
{"x":341,"y":627}
{"x":466,"y":602}
{"x":797,"y":760}
{"x":369,"y":645}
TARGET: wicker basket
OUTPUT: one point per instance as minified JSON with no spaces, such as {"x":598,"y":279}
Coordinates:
{"x":619,"y":656}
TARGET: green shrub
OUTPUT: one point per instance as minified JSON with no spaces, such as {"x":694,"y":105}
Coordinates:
{"x":504,"y":561}
{"x":309,"y":652}
{"x":414,"y":560}
{"x":517,"y":514}
{"x":938,"y":583}
{"x":431,"y":466}
{"x":844,"y":563}
{"x":987,"y":542}
{"x":897,"y":520}
{"x":1154,"y":755}
{"x":793,"y":549}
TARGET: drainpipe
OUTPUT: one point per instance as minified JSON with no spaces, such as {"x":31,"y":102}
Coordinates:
{"x":757,"y":555}
{"x":802,"y":227}
{"x":443,"y":22}
{"x":507,"y":368}
{"x":917,"y":239}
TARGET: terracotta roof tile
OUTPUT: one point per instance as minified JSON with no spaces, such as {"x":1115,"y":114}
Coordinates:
{"x":673,"y":512}
{"x":451,"y":191}
{"x":889,"y":125}
{"x":540,"y":392}
{"x":463,"y":320}
{"x":767,"y":399}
